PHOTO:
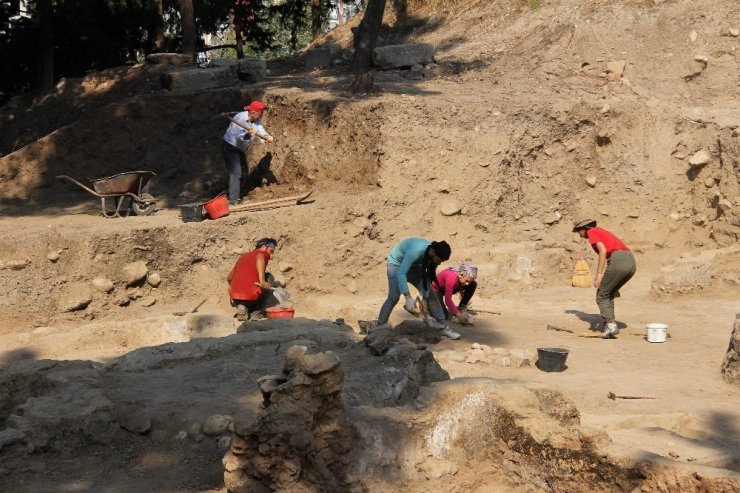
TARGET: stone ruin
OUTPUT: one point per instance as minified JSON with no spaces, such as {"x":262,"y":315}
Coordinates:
{"x":301,"y":441}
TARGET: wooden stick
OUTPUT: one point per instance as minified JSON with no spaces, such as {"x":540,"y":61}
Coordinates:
{"x":478,"y":310}
{"x":296,"y":199}
{"x":552,"y":327}
{"x":588,"y":334}
{"x":613,"y":396}
{"x":263,"y":137}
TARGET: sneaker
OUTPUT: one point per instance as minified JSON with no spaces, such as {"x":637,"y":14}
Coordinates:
{"x":610,"y":331}
{"x":448,"y":332}
{"x":241,"y":313}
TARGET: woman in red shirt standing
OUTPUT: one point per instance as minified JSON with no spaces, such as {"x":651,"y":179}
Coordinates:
{"x":616,"y":266}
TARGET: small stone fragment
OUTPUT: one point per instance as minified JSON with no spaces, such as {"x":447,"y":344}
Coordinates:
{"x":102,"y":285}
{"x":53,"y":256}
{"x":591,"y":181}
{"x":154,"y":279}
{"x":700,"y":158}
{"x":216,"y":424}
{"x":450,"y":208}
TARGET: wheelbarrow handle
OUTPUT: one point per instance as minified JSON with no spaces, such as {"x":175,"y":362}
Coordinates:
{"x":69,"y":178}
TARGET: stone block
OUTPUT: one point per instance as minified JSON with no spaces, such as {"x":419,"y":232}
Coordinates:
{"x":198,"y":79}
{"x":402,"y":56}
{"x":169,"y":59}
{"x":323,"y":56}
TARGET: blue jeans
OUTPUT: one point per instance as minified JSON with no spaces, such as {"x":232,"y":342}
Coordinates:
{"x":414,"y":276}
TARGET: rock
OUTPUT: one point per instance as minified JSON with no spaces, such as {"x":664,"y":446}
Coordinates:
{"x":122,"y":300}
{"x":591,"y":181}
{"x":724,"y":205}
{"x":135,"y":421}
{"x":703,"y":59}
{"x":521,"y":357}
{"x":450,"y":207}
{"x":352,"y":286}
{"x":443,"y":186}
{"x":700,"y":158}
{"x":102,"y":285}
{"x":148,"y":301}
{"x":484,"y":164}
{"x":379,"y":340}
{"x":734,"y":32}
{"x":134,"y":272}
{"x":284,"y":266}
{"x":216,"y":425}
{"x":195,"y":430}
{"x":693,"y":36}
{"x":402,"y":56}
{"x":15,"y":264}
{"x":675,"y":216}
{"x":616,"y":67}
{"x":606,"y":109}
{"x":224,"y":443}
{"x":699,"y":220}
{"x":154,"y":279}
{"x":53,"y":257}
{"x":633,"y":215}
{"x":709,"y":182}
{"x":134,"y":294}
{"x":76,"y":297}
{"x":10,"y":436}
{"x":552,"y":219}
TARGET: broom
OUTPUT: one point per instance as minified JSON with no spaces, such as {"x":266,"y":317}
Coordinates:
{"x":581,"y":274}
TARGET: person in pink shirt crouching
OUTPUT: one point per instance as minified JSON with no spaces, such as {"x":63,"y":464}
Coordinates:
{"x":462,"y":279}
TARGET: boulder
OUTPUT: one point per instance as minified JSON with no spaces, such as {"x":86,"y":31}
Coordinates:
{"x":402,"y":56}
{"x":134,"y":272}
{"x":378,"y":341}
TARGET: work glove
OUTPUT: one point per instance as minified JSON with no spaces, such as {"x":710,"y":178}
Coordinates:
{"x":410,"y":306}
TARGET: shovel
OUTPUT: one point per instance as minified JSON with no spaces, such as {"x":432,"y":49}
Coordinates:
{"x":180,"y":314}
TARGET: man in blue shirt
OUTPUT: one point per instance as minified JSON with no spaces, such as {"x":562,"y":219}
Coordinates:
{"x":244,"y":128}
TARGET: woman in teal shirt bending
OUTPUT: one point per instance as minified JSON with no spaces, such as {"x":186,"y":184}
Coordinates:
{"x":415,"y":261}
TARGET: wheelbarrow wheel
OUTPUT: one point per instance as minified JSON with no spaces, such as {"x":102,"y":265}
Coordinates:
{"x":145,"y":207}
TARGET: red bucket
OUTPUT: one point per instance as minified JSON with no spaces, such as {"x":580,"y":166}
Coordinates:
{"x":280,"y":312}
{"x":218,"y":207}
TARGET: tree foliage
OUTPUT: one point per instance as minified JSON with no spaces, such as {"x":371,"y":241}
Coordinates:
{"x":68,"y":38}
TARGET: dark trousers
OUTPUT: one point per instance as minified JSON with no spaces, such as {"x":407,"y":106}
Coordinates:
{"x":236,"y":168}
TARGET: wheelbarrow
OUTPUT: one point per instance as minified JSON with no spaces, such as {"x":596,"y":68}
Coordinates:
{"x":116,"y":189}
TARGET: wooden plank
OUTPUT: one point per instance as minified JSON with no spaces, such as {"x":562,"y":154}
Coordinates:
{"x":293,"y":200}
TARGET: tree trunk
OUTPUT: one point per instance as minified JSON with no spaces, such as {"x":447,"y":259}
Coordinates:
{"x":366,"y":38}
{"x":340,"y":12}
{"x":239,"y":39}
{"x":45,"y":53}
{"x":315,"y":18}
{"x":401,"y":8}
{"x":158,"y":32}
{"x":187,"y":17}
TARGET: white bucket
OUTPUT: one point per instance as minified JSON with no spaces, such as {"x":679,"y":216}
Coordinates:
{"x":657,"y":332}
